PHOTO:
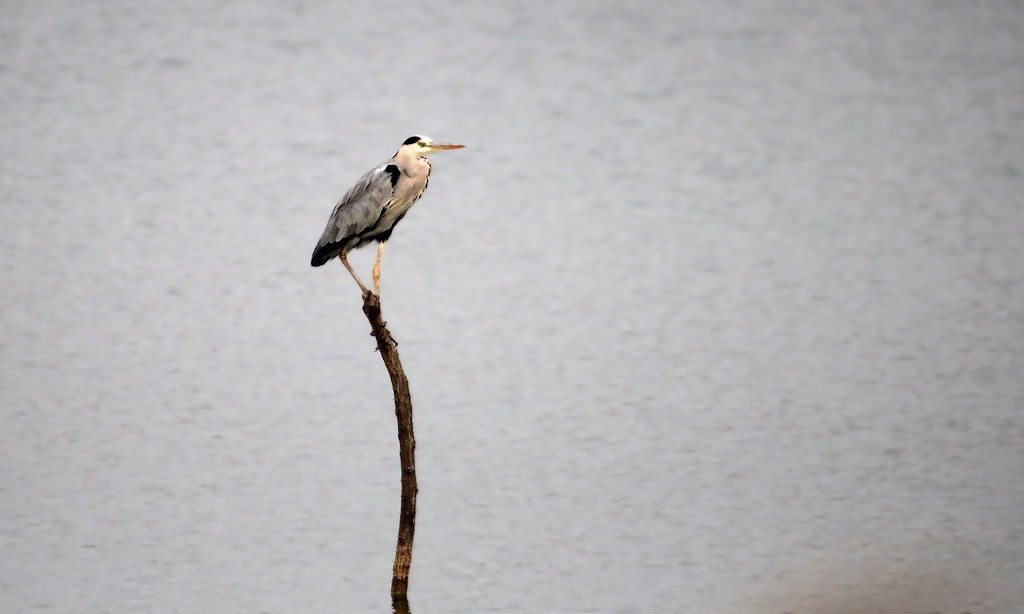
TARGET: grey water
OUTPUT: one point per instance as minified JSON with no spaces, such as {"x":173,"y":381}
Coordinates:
{"x":721,"y":309}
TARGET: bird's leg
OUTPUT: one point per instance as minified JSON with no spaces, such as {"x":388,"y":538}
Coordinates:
{"x":344,"y":260}
{"x":376,"y":267}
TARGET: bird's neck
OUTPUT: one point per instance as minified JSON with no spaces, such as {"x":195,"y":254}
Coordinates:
{"x":412,"y":165}
{"x":417,"y":167}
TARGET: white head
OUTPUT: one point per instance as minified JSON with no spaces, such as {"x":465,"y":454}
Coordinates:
{"x":420,"y":146}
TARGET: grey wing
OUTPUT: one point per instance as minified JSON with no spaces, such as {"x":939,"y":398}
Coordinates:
{"x":356,"y":214}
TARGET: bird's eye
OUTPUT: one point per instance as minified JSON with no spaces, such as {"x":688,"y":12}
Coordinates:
{"x":422,"y":144}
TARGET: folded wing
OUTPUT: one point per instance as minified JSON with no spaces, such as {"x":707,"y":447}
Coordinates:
{"x":354,"y":219}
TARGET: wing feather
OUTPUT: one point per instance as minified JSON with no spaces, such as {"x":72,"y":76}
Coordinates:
{"x":356,"y":213}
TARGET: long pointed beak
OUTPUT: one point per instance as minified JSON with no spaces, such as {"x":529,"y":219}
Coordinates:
{"x":439,"y":146}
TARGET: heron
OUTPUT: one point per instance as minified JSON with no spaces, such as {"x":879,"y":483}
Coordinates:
{"x":372,"y":208}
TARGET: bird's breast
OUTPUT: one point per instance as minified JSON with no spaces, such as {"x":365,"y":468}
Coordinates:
{"x":409,"y":190}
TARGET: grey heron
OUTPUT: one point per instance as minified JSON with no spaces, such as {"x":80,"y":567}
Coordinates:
{"x":372,"y":208}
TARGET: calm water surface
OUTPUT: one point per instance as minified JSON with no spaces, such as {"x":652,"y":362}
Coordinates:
{"x":721,"y":309}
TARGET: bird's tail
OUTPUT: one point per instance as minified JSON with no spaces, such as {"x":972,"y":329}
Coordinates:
{"x":323,"y":253}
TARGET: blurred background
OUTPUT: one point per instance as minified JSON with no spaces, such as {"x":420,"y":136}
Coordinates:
{"x":720,"y":310}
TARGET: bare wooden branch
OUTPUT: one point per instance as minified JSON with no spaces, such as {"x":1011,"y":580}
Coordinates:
{"x":400,"y":604}
{"x":406,"y":443}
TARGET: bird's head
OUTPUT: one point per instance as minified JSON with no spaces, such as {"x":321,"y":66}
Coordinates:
{"x":422,"y":145}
